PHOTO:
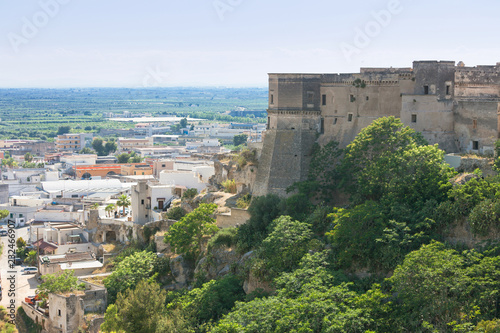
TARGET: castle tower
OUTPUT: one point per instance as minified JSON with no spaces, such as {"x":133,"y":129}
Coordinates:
{"x":294,"y":122}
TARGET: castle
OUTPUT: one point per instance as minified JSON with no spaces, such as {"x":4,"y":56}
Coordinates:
{"x":455,"y":106}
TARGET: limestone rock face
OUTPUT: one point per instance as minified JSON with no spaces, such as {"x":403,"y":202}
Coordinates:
{"x":180,"y":271}
{"x":218,"y":263}
{"x":253,"y":283}
{"x":463,"y":178}
{"x":187,"y":207}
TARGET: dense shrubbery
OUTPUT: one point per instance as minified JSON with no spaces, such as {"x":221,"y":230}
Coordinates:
{"x":402,"y":203}
{"x":225,"y":237}
{"x":176,"y":213}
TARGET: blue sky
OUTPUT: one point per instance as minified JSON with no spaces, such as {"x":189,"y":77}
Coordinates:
{"x":125,"y":43}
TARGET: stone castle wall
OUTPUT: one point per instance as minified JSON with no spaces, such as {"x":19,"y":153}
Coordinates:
{"x":456,"y":107}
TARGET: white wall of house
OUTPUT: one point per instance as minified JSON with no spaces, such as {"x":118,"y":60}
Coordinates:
{"x":58,"y":216}
{"x":82,"y":247}
{"x":204,"y":172}
{"x":84,"y":159}
{"x":182,"y":178}
{"x":51,"y":175}
{"x":211,"y":142}
{"x":161,"y":192}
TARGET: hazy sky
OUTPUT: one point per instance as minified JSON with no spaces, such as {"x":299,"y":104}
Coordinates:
{"x":125,"y":43}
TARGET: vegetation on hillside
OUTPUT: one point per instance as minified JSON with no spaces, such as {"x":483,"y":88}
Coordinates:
{"x":383,"y":263}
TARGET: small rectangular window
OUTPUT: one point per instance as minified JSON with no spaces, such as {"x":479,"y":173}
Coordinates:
{"x":448,"y":90}
{"x":426,"y":90}
{"x":475,"y":145}
{"x":352,"y":98}
{"x":272,"y":99}
{"x":163,"y":165}
{"x":59,"y":313}
{"x":322,"y":125}
{"x":474,"y":123}
{"x":74,"y":195}
{"x":367,"y":98}
{"x":142,"y":201}
{"x":413,"y":118}
{"x":349,"y":117}
{"x":11,"y":215}
{"x":335,"y":121}
{"x":310,"y":97}
{"x":323,"y":99}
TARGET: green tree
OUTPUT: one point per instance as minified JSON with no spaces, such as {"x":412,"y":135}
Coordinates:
{"x":123,"y":158}
{"x":31,"y":258}
{"x":355,"y":232}
{"x":63,"y":129}
{"x":240,"y":139}
{"x":314,"y":272}
{"x":190,"y":193}
{"x":388,"y":160}
{"x":128,"y":272}
{"x":214,"y":299}
{"x":110,"y":147}
{"x":3,"y":213}
{"x":98,"y":146}
{"x":62,"y":283}
{"x":28,"y":157}
{"x":21,"y":243}
{"x":288,"y":238}
{"x":109,"y":209}
{"x":124,"y":202}
{"x":9,"y":162}
{"x":430,"y":284}
{"x":335,"y":310}
{"x":263,"y":210}
{"x":134,"y":158}
{"x":176,"y":213}
{"x":185,"y":236}
{"x":183,"y":123}
{"x":136,"y":310}
{"x":86,"y":150}
{"x":5,"y":326}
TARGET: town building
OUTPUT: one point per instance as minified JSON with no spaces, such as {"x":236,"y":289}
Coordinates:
{"x":73,"y":142}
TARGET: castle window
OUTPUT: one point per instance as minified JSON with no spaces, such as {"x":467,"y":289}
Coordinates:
{"x":426,"y":90}
{"x":335,"y":121}
{"x":352,"y":98}
{"x":142,"y":201}
{"x":323,"y":99}
{"x":413,"y":118}
{"x":367,"y":98}
{"x":448,"y":90}
{"x":349,"y":117}
{"x":474,"y":123}
{"x":310,"y":97}
{"x":272,"y":99}
{"x":59,"y":312}
{"x":322,"y":125}
{"x":475,"y":145}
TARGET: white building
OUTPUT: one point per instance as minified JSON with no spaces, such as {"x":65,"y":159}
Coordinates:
{"x":23,"y":208}
{"x":191,"y":179}
{"x":63,"y":237}
{"x":79,"y":159}
{"x":81,"y":189}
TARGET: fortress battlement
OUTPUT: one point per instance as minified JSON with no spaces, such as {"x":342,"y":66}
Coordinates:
{"x":454,"y":106}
